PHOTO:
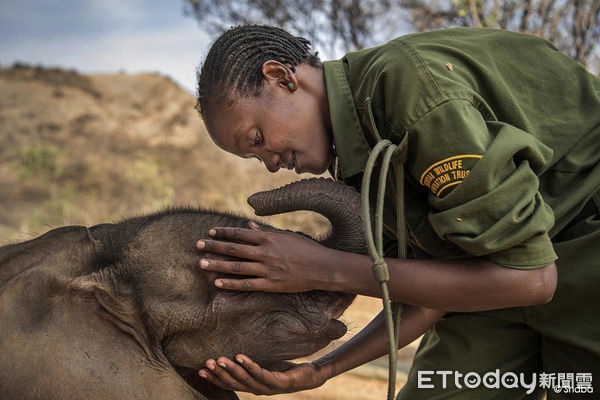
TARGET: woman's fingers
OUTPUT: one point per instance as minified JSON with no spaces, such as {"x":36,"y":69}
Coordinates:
{"x":207,"y":374}
{"x":254,"y":284}
{"x":260,"y":374}
{"x":220,"y":377}
{"x":239,"y":268}
{"x":227,"y":248}
{"x":253,"y":235}
{"x":232,"y":267}
{"x":239,"y":374}
{"x":231,"y":376}
{"x":251,"y":377}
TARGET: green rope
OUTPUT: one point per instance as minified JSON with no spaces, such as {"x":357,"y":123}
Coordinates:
{"x":375,"y":249}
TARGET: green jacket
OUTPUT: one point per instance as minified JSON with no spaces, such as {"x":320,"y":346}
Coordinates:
{"x":502,"y":138}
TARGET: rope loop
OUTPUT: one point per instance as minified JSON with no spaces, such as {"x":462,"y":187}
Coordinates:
{"x":375,"y":248}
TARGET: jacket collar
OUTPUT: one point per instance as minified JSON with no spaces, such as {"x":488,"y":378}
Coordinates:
{"x":350,"y":143}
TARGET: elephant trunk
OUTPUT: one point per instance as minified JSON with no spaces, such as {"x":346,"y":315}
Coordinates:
{"x":339,"y":203}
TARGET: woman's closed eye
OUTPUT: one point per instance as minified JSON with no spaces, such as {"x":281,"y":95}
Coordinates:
{"x":257,"y":139}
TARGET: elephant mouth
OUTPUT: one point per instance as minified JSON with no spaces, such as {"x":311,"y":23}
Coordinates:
{"x":311,"y":316}
{"x":314,"y":339}
{"x":289,"y":328}
{"x":336,"y":305}
{"x":335,"y":329}
{"x":289,"y":335}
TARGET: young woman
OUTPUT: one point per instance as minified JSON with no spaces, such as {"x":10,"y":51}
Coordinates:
{"x":499,"y":137}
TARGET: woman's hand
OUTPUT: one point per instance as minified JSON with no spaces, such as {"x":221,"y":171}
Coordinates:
{"x":247,"y":376}
{"x":277,"y":261}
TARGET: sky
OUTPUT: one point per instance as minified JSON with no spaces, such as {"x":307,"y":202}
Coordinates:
{"x":104,"y":36}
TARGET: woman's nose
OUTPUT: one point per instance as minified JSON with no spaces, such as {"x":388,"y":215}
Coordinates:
{"x":272,"y":162}
{"x":272,"y":167}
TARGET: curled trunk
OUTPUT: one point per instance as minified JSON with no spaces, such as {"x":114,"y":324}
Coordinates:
{"x":339,"y":203}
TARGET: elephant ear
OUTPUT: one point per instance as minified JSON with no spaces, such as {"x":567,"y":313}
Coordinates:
{"x":204,"y":387}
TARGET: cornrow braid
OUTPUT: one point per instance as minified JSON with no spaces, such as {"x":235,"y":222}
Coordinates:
{"x":234,"y":62}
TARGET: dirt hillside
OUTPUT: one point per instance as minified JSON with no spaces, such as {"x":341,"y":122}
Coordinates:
{"x":82,"y":149}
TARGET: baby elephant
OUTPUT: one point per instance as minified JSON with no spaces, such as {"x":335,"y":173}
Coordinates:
{"x":122,"y":311}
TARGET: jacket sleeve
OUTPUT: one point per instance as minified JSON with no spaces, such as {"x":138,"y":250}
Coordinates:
{"x":482,"y":183}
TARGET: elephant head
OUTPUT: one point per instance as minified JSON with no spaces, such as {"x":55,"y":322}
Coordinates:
{"x":132,"y":295}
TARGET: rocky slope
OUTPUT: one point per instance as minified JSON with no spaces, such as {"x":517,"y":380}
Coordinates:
{"x":83,"y":149}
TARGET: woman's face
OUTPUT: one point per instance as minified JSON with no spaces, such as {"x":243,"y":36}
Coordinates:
{"x":283,"y":127}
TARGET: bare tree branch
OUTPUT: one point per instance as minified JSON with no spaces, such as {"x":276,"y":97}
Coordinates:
{"x":572,"y":25}
{"x":475,"y":13}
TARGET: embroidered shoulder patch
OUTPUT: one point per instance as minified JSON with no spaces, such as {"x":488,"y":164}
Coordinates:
{"x":447,"y":173}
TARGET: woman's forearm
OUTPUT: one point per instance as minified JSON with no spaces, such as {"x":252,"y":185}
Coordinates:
{"x":372,"y":341}
{"x":286,"y":262}
{"x":470,"y":284}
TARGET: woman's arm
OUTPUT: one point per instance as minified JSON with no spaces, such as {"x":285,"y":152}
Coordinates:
{"x":372,"y":341}
{"x":470,"y":284}
{"x":367,"y":345}
{"x":287,"y":262}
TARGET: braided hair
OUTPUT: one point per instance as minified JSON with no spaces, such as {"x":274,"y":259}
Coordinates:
{"x":234,"y":63}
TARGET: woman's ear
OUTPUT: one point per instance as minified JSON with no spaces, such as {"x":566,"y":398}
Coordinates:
{"x":279,"y":75}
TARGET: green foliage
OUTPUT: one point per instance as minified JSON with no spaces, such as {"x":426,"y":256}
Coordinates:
{"x":74,"y":190}
{"x":146,"y":177}
{"x":41,"y":161}
{"x":57,"y":210}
